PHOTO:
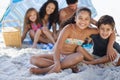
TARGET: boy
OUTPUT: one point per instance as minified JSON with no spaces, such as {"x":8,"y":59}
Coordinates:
{"x":106,"y":28}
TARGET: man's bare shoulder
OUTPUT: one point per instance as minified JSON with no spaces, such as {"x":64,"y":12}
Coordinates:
{"x":64,"y":10}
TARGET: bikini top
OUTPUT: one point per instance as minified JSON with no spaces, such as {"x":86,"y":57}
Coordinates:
{"x":35,"y":27}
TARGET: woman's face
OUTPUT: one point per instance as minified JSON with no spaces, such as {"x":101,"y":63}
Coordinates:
{"x":33,"y":16}
{"x":83,"y":19}
{"x":105,"y":31}
{"x":50,"y":8}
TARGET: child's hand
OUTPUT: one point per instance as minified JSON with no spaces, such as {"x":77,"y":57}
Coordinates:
{"x":111,"y":53}
{"x":55,"y":68}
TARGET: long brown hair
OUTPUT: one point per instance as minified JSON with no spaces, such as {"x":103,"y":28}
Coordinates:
{"x":27,"y":22}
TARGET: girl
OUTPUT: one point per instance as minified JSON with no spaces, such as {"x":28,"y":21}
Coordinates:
{"x":48,"y":15}
{"x":31,"y":24}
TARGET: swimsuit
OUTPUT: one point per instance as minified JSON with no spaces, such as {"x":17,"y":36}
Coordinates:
{"x":35,"y":27}
{"x":74,"y":41}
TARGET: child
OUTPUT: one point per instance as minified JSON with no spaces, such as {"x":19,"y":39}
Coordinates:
{"x":67,"y":12}
{"x":48,"y":16}
{"x":106,"y":28}
{"x":67,"y":55}
{"x":31,"y":24}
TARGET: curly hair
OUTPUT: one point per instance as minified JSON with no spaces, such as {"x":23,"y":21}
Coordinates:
{"x":106,"y":19}
{"x":53,"y":18}
{"x":71,"y":1}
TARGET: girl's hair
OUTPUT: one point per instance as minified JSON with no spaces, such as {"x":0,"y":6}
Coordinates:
{"x":106,"y":19}
{"x":72,"y":19}
{"x":53,"y":18}
{"x":71,"y":1}
{"x":27,"y":22}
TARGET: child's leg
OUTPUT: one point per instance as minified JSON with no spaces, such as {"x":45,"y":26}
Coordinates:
{"x":69,"y":61}
{"x":101,"y":60}
{"x":118,"y":63}
{"x":36,"y":38}
{"x":86,"y":55}
{"x":41,"y":70}
{"x":44,"y":39}
{"x":49,"y":35}
{"x":32,"y":34}
{"x":43,"y":60}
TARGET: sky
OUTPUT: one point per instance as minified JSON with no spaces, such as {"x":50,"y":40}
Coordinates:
{"x":108,"y":7}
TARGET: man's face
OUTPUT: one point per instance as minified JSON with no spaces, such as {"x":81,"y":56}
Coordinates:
{"x":73,"y":6}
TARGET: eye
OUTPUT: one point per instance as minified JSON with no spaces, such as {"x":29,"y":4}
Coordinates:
{"x":108,"y":30}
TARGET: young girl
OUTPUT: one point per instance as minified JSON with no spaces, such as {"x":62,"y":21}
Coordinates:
{"x":31,"y":24}
{"x":67,"y":55}
{"x":48,"y":15}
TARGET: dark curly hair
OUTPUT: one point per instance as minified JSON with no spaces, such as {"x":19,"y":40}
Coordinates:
{"x":106,"y":19}
{"x":71,"y":1}
{"x":53,"y":18}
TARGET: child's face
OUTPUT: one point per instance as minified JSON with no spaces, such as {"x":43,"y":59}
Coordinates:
{"x":105,"y":31}
{"x":50,"y":8}
{"x":83,"y":19}
{"x":33,"y":16}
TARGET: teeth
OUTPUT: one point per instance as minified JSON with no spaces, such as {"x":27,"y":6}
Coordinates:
{"x":82,"y":24}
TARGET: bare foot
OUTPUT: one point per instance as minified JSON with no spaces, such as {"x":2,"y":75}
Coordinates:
{"x":34,"y":46}
{"x":75,"y":69}
{"x":34,"y":70}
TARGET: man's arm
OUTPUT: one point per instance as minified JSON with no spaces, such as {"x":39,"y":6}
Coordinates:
{"x":62,"y":16}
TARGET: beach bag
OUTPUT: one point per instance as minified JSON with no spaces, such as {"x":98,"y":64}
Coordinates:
{"x":11,"y":34}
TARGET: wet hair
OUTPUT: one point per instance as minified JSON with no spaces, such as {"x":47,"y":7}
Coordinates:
{"x":106,"y":19}
{"x":71,"y":1}
{"x":27,"y":22}
{"x":53,"y":18}
{"x":72,"y":19}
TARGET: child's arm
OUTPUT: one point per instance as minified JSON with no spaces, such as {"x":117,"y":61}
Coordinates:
{"x":54,"y":30}
{"x":93,"y":21}
{"x":24,"y":34}
{"x":58,"y":49}
{"x":110,"y":50}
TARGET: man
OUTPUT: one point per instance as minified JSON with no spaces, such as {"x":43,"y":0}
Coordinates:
{"x":68,"y":12}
